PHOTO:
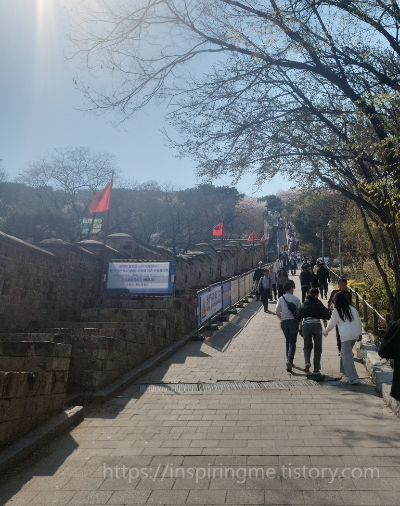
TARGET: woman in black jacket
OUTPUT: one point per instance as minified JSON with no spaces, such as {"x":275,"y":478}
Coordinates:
{"x":311,"y":312}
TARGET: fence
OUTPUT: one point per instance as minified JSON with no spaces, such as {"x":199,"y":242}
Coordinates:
{"x":369,"y":313}
{"x":219,"y":297}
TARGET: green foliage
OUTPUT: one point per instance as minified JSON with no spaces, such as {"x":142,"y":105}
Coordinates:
{"x":274,"y":203}
{"x":39,"y":225}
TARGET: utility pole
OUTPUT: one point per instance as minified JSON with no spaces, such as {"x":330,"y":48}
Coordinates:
{"x":322,"y":242}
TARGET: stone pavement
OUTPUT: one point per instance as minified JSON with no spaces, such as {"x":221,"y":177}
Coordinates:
{"x":244,"y":447}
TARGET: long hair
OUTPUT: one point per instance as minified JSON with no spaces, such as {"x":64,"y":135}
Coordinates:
{"x":343,"y":307}
{"x":312,"y":293}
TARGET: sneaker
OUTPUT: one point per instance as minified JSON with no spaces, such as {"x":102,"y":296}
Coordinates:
{"x":354,"y":382}
{"x":317,"y":371}
{"x":289,"y":366}
{"x":307,"y":367}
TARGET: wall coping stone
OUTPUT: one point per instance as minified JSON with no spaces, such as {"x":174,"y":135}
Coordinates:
{"x":14,"y":241}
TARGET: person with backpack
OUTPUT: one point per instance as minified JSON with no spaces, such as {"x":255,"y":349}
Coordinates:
{"x":348,"y":322}
{"x":286,"y":311}
{"x":311,"y":312}
{"x":264,"y":288}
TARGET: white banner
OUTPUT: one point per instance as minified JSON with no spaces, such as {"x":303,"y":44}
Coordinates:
{"x":141,"y":277}
{"x":210,"y":303}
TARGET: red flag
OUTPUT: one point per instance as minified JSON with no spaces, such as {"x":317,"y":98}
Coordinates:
{"x":251,"y":237}
{"x":218,"y":230}
{"x":101,"y":201}
{"x":262,"y":238}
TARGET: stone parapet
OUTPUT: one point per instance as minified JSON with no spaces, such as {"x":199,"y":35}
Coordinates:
{"x":33,"y":385}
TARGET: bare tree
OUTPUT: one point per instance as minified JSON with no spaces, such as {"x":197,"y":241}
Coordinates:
{"x":304,"y":87}
{"x":68,"y":177}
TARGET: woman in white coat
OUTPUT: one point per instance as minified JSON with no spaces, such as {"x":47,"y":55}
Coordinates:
{"x":348,"y":321}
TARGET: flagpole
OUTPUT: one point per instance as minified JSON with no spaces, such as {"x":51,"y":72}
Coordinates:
{"x":222,"y":248}
{"x":103,"y":253}
{"x":252,"y":253}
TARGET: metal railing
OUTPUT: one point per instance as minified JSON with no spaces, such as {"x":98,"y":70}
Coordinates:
{"x":368,"y":312}
{"x":237,"y":288}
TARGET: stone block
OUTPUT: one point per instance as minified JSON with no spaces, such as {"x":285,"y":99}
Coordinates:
{"x":45,"y":348}
{"x":17,"y":408}
{"x":59,"y":364}
{"x":29,"y":384}
{"x":11,"y":385}
{"x":11,"y":363}
{"x":17,"y":348}
{"x":4,"y":410}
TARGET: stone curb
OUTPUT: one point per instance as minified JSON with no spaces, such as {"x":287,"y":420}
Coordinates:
{"x":381,"y":371}
{"x":38,"y":437}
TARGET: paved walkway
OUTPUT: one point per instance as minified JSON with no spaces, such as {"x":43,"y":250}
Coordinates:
{"x":261,"y":446}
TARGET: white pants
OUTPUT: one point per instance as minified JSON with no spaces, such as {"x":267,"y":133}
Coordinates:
{"x":347,"y":366}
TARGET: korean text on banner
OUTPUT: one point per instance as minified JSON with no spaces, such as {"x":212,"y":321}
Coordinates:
{"x":209,"y":303}
{"x":141,"y":277}
{"x":226,"y":293}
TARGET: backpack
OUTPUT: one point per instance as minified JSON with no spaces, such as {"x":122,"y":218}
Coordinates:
{"x":292,"y":307}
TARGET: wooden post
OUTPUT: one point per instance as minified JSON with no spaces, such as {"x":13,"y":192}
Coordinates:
{"x":375,"y":320}
{"x":357,"y":300}
{"x":365,"y":312}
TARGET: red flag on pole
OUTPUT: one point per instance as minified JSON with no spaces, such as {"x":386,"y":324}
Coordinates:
{"x":101,"y":201}
{"x":218,"y":230}
{"x":262,"y":238}
{"x":251,"y":237}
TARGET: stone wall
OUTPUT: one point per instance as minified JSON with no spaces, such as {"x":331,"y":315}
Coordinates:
{"x":199,"y":268}
{"x":33,"y":384}
{"x":40,"y":284}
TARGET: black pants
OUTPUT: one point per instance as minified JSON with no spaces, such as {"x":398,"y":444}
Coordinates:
{"x":264,"y":297}
{"x":323,"y":288}
{"x":293,"y":270}
{"x":280,"y":291}
{"x":274,"y":291}
{"x":304,"y":292}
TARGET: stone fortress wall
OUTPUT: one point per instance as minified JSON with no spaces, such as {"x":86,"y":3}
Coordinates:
{"x":55,"y":337}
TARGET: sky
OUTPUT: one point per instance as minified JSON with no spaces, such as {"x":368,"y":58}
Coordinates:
{"x":39,"y":106}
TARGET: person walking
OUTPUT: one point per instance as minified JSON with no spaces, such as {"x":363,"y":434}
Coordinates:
{"x":293,"y":265}
{"x":289,"y":324}
{"x":258,"y":274}
{"x":281,"y":278}
{"x":311,"y":312}
{"x":342,"y":288}
{"x":264,"y":287}
{"x":305,"y":281}
{"x":272,"y":275}
{"x":348,"y":321}
{"x":323,"y":279}
{"x":314,"y":278}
